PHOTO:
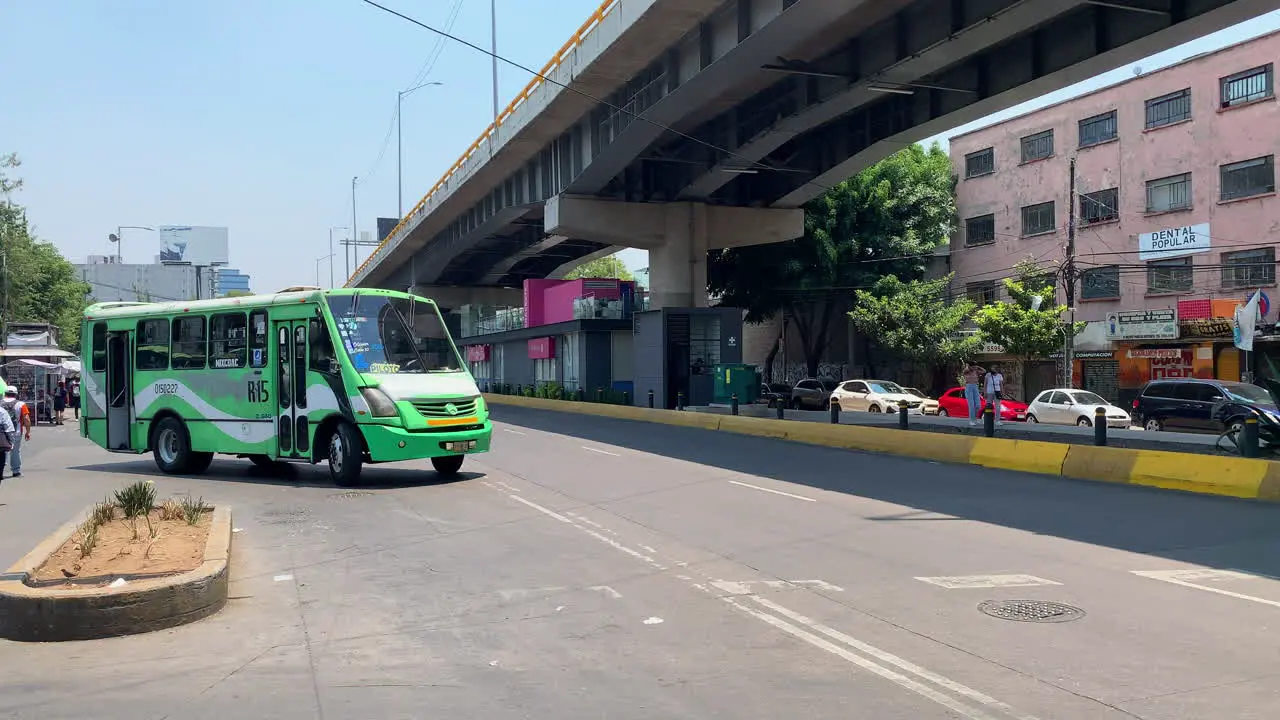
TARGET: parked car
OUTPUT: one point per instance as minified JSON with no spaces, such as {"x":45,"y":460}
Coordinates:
{"x":952,"y":404}
{"x":772,"y":393}
{"x":1195,"y":405}
{"x":812,"y":394}
{"x":872,"y":396}
{"x":1068,"y":406}
{"x":928,"y":405}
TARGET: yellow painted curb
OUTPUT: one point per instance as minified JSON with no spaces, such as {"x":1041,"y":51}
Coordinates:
{"x":1203,"y":474}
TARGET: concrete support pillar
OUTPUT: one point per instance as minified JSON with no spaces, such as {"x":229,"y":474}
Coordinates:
{"x":677,"y":236}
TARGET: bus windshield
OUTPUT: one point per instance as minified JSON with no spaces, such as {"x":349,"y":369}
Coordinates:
{"x":393,"y":335}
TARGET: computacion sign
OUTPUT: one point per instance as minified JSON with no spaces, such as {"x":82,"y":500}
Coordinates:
{"x":1174,"y":242}
{"x":1143,"y":325}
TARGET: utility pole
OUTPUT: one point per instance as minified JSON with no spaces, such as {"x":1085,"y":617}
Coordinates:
{"x":1069,"y":282}
{"x":493,"y":47}
{"x":353,"y":227}
{"x":332,"y":255}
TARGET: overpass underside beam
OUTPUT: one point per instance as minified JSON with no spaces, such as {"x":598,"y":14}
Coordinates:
{"x":677,"y":236}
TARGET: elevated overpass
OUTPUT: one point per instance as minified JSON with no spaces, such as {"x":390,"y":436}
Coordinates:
{"x":680,"y":126}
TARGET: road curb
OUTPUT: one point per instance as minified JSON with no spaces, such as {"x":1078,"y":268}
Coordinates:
{"x":52,"y":614}
{"x":1188,"y":472}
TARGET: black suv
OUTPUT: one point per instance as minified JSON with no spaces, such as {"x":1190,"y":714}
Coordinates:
{"x":1193,"y":405}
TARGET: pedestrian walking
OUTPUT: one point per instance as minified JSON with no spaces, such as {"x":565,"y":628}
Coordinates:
{"x":74,"y":388}
{"x":20,"y":416}
{"x":7,"y":433}
{"x":972,"y":375}
{"x":59,"y":402}
{"x":995,"y":386}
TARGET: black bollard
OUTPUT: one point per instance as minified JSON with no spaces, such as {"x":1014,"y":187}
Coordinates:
{"x":1100,"y":426}
{"x":1249,"y":438}
{"x":519,"y":389}
{"x":680,"y":400}
{"x":581,"y":395}
{"x":733,"y":403}
{"x":780,"y":408}
{"x":599,"y":394}
{"x":835,"y":413}
{"x":650,"y":399}
{"x":902,"y":415}
{"x":988,"y":421}
{"x":626,"y":397}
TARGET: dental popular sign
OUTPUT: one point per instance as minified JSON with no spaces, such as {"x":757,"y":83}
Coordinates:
{"x":1174,"y":242}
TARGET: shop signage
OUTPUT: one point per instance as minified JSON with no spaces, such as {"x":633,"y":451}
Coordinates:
{"x":1085,"y":355}
{"x":1178,"y":366}
{"x":1206,"y":328}
{"x":1149,"y":353}
{"x":542,"y":348}
{"x":1143,"y":325}
{"x":477,"y":353}
{"x":1174,"y":242}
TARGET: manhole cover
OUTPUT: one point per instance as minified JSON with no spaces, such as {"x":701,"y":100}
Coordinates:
{"x":284,"y":517}
{"x":1030,"y":611}
{"x":350,"y":494}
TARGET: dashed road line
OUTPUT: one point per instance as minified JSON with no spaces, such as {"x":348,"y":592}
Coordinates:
{"x":775,"y":492}
{"x":1184,"y":578}
{"x":974,"y":582}
{"x":513,"y":432}
{"x":602,"y":452}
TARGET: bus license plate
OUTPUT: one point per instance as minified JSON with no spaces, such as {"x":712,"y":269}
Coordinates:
{"x":460,"y":445}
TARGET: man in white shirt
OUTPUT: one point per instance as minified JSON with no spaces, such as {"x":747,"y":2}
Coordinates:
{"x":995,"y":385}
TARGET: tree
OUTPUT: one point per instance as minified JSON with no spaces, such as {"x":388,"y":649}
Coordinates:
{"x":914,"y":320}
{"x":1025,"y":327}
{"x":42,"y":284}
{"x":885,"y":220}
{"x":606,"y":267}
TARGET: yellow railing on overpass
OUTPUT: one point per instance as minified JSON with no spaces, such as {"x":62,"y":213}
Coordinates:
{"x":606,"y":7}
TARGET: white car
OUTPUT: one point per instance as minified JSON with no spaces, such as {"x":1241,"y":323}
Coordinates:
{"x":873,"y":396}
{"x":1068,"y":406}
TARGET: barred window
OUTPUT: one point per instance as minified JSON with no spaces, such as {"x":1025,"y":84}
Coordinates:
{"x":1170,"y":193}
{"x":1100,"y":206}
{"x":1098,"y":129}
{"x":1247,"y":86}
{"x":1038,"y":146}
{"x":1169,"y":109}
{"x":1038,"y":219}
{"x":1249,"y":268}
{"x":1169,"y":276}
{"x":982,"y":162}
{"x":982,"y":293}
{"x":1248,"y":178}
{"x":1100,"y":283}
{"x":980,"y":230}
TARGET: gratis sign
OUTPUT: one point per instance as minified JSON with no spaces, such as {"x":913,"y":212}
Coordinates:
{"x":1174,"y":242}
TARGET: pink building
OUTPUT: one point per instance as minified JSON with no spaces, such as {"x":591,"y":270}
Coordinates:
{"x":1175,"y":183}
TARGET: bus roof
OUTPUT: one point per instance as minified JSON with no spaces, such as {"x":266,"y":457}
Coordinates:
{"x":136,"y":309}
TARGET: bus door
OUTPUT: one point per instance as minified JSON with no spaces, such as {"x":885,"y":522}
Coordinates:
{"x":293,"y":434}
{"x":119,"y":396}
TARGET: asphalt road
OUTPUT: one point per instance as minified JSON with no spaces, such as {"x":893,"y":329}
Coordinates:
{"x":596,"y":568}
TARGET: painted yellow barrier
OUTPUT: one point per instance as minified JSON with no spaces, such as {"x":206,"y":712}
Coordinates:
{"x":1188,"y":472}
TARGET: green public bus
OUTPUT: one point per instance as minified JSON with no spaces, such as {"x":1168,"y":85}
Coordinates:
{"x":262,"y":378}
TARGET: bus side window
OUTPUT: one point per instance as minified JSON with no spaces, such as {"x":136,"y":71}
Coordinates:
{"x":189,"y":346}
{"x":153,"y":345}
{"x":258,"y":338}
{"x":99,"y":343}
{"x":227,"y":340}
{"x":322,"y":355}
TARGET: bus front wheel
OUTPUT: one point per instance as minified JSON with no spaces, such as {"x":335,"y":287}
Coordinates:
{"x":447,"y":465}
{"x":171,"y":447}
{"x":345,"y":455}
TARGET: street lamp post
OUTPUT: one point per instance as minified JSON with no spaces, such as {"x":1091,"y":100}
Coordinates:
{"x":117,"y":238}
{"x":320,"y":259}
{"x":399,"y":152}
{"x":331,"y":254}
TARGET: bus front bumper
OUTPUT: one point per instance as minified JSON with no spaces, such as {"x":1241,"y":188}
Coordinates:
{"x":393,"y":444}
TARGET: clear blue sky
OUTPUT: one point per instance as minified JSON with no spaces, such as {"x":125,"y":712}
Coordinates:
{"x":255,"y":115}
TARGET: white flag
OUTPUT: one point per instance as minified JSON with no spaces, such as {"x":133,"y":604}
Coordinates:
{"x":1246,"y":319}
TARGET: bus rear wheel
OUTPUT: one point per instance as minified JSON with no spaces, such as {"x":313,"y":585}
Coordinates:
{"x":447,"y":465}
{"x":171,"y":448}
{"x":345,"y":455}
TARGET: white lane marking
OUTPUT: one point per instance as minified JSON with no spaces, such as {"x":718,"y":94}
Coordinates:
{"x":1179,"y":577}
{"x":847,"y":655}
{"x":519,"y":593}
{"x":653,"y":621}
{"x":607,"y":591}
{"x":744,"y":587}
{"x":602,"y":452}
{"x":971,"y":582}
{"x":282,"y":578}
{"x":820,"y":642}
{"x":513,"y":432}
{"x":775,"y":492}
{"x":892,"y":659}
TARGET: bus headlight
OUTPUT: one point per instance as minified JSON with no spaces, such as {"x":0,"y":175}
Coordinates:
{"x":380,"y":404}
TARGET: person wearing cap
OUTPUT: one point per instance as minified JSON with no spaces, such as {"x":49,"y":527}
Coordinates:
{"x":20,"y":415}
{"x":59,"y":402}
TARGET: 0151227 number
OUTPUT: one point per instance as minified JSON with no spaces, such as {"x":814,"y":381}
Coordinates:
{"x":166,"y":388}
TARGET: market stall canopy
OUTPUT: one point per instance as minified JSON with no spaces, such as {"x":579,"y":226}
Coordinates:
{"x":34,"y":363}
{"x":14,"y":353}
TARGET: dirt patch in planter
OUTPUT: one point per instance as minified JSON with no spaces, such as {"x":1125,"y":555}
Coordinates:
{"x":129,"y":549}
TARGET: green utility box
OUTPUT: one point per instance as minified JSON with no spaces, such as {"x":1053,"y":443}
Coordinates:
{"x":739,"y":379}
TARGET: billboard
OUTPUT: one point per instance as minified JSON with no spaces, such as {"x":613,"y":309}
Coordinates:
{"x":193,"y":245}
{"x":385,"y":226}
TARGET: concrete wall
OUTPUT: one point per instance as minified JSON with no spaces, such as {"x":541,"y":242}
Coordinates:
{"x":1212,"y":137}
{"x":651,"y":364}
{"x":132,"y":282}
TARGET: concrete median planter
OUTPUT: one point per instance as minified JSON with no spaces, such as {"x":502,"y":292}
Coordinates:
{"x":51,"y":614}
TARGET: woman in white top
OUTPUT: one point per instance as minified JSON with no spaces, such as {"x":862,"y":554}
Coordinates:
{"x":995,"y":385}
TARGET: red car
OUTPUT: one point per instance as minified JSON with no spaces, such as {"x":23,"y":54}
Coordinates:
{"x":952,"y":403}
